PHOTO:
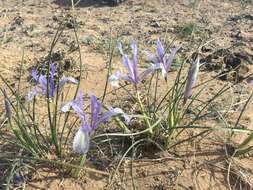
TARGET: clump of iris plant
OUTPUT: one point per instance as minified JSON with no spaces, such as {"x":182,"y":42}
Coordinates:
{"x":81,"y":142}
{"x":161,"y":61}
{"x":131,"y":65}
{"x":41,"y":83}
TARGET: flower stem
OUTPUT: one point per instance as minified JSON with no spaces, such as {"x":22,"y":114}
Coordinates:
{"x":146,"y":120}
{"x":77,"y":171}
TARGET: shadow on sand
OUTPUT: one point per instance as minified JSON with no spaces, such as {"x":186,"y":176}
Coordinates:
{"x":86,"y":3}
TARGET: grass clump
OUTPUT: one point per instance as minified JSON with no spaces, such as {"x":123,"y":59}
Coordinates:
{"x":160,"y":107}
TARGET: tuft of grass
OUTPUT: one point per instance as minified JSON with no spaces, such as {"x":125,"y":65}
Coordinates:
{"x":187,"y":29}
{"x":246,"y":145}
{"x":244,"y":3}
{"x":36,"y":139}
{"x":167,"y":106}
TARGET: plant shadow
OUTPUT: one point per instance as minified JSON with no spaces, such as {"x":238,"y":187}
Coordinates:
{"x":86,"y":3}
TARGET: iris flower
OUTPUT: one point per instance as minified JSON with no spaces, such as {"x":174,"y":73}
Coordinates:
{"x":191,"y":79}
{"x":81,"y":141}
{"x":131,"y":65}
{"x":162,"y":60}
{"x":41,"y":83}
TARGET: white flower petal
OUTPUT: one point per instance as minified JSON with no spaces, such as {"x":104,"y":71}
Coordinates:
{"x":81,"y":142}
{"x":66,"y":107}
{"x":73,"y":80}
{"x":115,"y":83}
{"x":114,"y":79}
{"x":164,"y":72}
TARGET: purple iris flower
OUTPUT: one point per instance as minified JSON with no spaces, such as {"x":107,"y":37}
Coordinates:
{"x":41,"y":83}
{"x":81,"y":141}
{"x":191,"y":79}
{"x":162,"y":60}
{"x":131,"y":65}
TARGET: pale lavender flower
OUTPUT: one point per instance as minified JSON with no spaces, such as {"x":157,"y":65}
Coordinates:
{"x":131,"y":65}
{"x":41,"y":83}
{"x":81,"y":141}
{"x":114,"y":79}
{"x":191,"y":79}
{"x":162,"y":60}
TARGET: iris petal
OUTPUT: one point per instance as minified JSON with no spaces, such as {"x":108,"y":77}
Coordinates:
{"x":81,"y":142}
{"x":135,"y":60}
{"x":191,"y":79}
{"x":114,"y":79}
{"x":35,"y":75}
{"x":170,"y":58}
{"x":129,"y":66}
{"x":76,"y":104}
{"x":64,"y":80}
{"x":113,"y":112}
{"x":160,"y":50}
{"x":149,"y":70}
{"x":66,"y":107}
{"x":95,"y":111}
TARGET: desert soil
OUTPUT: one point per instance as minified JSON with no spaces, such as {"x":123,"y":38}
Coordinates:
{"x":28,"y":27}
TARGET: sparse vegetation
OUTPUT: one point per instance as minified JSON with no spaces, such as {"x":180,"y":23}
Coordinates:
{"x":141,"y":104}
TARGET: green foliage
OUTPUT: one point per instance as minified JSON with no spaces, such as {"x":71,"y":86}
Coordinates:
{"x":35,"y":138}
{"x":188,"y":29}
{"x":244,"y":3}
{"x":245,"y":146}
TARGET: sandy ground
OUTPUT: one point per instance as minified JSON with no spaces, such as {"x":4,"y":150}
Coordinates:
{"x":28,"y":27}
